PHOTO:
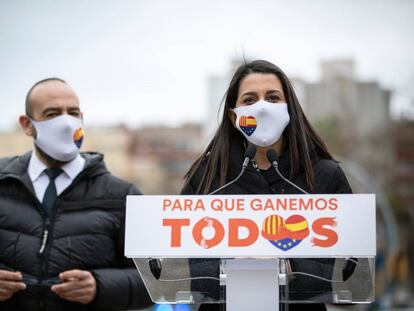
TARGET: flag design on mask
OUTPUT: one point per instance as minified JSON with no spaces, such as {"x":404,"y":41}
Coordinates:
{"x":248,"y":124}
{"x":78,"y":137}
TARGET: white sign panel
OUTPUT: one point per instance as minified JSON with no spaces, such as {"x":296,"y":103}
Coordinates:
{"x":257,"y":226}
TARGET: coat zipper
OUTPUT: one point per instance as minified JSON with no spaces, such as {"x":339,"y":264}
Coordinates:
{"x":45,"y":236}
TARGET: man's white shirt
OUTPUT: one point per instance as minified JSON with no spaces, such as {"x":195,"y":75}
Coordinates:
{"x":40,"y":180}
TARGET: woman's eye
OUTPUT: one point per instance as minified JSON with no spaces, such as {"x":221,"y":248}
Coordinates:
{"x":273,"y":98}
{"x":249,"y":101}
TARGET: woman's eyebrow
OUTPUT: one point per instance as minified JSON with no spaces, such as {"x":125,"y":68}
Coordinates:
{"x":274,"y":91}
{"x":248,"y":93}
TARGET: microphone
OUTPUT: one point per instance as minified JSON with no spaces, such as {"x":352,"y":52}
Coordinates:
{"x":349,"y":268}
{"x":273,"y":158}
{"x":155,"y":267}
{"x":248,"y":155}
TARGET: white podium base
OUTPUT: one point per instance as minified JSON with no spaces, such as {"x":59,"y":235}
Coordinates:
{"x":252,"y":284}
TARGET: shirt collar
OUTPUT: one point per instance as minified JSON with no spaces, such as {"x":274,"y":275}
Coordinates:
{"x":74,"y":167}
{"x":36,"y":167}
{"x":71,"y":169}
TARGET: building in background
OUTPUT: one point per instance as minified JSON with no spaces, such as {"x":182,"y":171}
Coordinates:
{"x":162,"y":155}
{"x":114,"y":143}
{"x":353,"y":117}
{"x":14,"y":142}
{"x":402,"y":194}
{"x":216,"y":89}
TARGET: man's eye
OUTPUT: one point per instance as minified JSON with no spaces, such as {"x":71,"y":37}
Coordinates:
{"x":75,"y":114}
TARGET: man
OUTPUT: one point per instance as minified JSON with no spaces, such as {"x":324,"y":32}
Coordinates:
{"x":62,"y":217}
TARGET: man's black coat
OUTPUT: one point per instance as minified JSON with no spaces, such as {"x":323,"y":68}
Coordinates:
{"x":85,"y":231}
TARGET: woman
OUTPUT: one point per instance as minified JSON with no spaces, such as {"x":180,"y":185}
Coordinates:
{"x":261,"y":108}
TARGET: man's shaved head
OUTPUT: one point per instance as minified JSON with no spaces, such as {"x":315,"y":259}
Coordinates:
{"x":28,"y":106}
{"x":48,"y":99}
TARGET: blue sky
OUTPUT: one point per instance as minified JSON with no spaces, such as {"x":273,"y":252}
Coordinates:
{"x":148,"y":61}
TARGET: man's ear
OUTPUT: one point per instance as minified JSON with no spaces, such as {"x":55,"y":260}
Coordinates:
{"x":27,"y":126}
{"x":232,"y":116}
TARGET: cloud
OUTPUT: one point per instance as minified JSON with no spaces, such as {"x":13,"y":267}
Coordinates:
{"x":149,"y":61}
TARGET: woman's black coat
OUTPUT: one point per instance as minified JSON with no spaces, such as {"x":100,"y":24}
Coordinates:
{"x":328,"y":178}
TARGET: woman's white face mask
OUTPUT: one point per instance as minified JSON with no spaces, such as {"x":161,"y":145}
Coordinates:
{"x":262,"y":123}
{"x":60,"y":137}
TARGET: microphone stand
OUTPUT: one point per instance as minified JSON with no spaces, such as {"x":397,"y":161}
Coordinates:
{"x":249,"y":154}
{"x":272,"y":157}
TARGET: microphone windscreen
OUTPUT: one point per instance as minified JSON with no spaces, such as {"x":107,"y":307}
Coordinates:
{"x":250,"y":152}
{"x":272,"y":155}
{"x":155,"y":267}
{"x":349,"y":268}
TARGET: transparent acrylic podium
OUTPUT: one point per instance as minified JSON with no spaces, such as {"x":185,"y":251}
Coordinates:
{"x":256,"y":252}
{"x":263,"y":281}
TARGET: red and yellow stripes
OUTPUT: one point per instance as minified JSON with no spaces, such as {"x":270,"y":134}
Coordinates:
{"x":247,"y":121}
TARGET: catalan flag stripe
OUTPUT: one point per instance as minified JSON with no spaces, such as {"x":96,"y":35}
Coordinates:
{"x":243,"y":121}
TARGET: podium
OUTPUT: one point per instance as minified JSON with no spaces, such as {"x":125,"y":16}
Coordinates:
{"x":254,"y":251}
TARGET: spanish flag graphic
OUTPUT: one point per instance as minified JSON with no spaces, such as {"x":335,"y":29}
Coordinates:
{"x":248,"y":124}
{"x":298,"y":227}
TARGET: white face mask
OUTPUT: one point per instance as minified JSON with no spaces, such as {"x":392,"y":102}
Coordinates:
{"x":262,"y":123}
{"x":60,"y":137}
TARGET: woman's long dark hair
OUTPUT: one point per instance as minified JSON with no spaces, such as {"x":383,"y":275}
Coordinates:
{"x":299,"y":134}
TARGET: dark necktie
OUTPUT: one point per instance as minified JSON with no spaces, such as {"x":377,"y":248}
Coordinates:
{"x":51,"y":193}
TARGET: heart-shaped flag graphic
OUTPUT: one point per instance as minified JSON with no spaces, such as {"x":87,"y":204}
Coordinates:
{"x":285,"y":234}
{"x":248,"y":124}
{"x":78,"y":137}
